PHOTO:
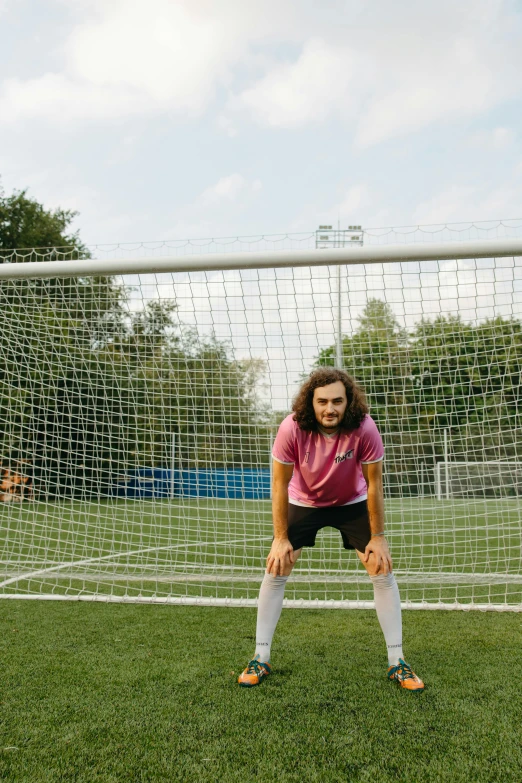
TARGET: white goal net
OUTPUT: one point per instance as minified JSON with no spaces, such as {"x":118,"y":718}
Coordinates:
{"x":139,"y":400}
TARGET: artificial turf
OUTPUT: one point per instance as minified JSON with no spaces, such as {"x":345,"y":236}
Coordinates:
{"x":95,"y":692}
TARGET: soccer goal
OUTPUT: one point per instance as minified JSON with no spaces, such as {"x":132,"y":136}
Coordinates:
{"x":501,"y":479}
{"x":139,"y":398}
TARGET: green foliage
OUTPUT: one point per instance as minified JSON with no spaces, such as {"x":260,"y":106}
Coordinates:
{"x":92,"y":383}
{"x":54,"y":389}
{"x":444,"y":374}
{"x":25,"y":223}
{"x":467,"y":378}
{"x":377,"y":356}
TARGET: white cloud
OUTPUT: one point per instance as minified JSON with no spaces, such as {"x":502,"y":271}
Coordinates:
{"x":353,"y":207}
{"x":128,"y":57}
{"x":497,"y":138}
{"x":441,"y":77}
{"x":227,"y":188}
{"x":125,"y":151}
{"x":65,"y":190}
{"x":384,"y":69}
{"x":471,"y":203}
{"x":450,"y":204}
{"x":216,"y":210}
{"x":503,"y":137}
{"x":226,"y":125}
{"x":163,"y":52}
{"x":61,"y":101}
{"x":306,"y":91}
{"x":401,"y":69}
{"x":356,"y":198}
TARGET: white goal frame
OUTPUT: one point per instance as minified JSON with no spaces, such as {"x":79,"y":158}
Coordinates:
{"x":442,"y":483}
{"x":331,"y":257}
{"x":388,"y":254}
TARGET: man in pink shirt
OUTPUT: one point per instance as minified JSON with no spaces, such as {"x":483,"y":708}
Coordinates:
{"x":328,"y":473}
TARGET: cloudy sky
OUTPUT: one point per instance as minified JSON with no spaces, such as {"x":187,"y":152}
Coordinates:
{"x":165,"y":119}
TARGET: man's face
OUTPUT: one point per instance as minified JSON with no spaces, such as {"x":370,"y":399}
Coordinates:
{"x":329,"y":405}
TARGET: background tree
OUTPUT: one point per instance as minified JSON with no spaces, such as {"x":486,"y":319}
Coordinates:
{"x":377,"y":354}
{"x":467,"y":379}
{"x":26,"y":224}
{"x":95,"y":383}
{"x":48,"y":330}
{"x":446,"y":374}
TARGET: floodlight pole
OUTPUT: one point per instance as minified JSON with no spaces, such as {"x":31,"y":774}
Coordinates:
{"x":446,"y":477}
{"x":326,"y":238}
{"x":339,"y":336}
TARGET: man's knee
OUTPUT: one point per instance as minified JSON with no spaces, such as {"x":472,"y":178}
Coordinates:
{"x":371,"y":565}
{"x":289,"y":564}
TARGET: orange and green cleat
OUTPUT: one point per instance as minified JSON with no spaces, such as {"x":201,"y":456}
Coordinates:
{"x":255,"y":673}
{"x":403,"y":674}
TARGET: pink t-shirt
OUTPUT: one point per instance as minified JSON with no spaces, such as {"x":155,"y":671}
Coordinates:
{"x":327,"y":468}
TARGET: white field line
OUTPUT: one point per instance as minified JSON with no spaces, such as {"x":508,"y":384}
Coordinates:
{"x":290,"y":603}
{"x":359,"y":578}
{"x":88,"y":561}
{"x":322,"y":577}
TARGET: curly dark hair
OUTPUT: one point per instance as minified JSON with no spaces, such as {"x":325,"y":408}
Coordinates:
{"x":302,"y":405}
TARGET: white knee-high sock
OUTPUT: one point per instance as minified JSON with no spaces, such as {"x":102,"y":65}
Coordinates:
{"x":388,"y":606}
{"x":269,"y":609}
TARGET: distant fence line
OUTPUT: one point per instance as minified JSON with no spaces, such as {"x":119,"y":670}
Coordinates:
{"x":255,"y":484}
{"x":231,"y":483}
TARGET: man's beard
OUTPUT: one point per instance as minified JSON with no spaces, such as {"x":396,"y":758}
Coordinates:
{"x":330,"y":423}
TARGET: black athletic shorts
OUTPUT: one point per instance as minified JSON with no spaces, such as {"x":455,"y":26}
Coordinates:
{"x":351,"y":521}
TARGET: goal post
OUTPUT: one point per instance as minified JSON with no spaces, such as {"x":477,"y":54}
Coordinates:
{"x":487,"y":480}
{"x":139,"y":400}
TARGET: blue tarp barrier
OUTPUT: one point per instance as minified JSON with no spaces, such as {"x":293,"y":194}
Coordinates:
{"x":231,"y":483}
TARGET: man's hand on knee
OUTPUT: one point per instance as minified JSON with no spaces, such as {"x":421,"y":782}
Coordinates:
{"x":377,"y":558}
{"x":281,"y":555}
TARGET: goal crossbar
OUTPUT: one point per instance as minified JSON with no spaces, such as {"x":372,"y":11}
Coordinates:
{"x":440,"y":251}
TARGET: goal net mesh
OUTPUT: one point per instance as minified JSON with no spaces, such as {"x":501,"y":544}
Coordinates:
{"x":137,"y":415}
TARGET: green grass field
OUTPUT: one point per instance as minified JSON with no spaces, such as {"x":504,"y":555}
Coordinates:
{"x":451,"y":551}
{"x":94,"y":693}
{"x":133,"y":693}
